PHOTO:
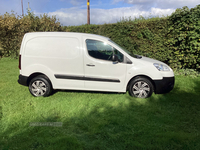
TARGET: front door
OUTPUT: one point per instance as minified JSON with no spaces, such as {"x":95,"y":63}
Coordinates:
{"x":101,"y":72}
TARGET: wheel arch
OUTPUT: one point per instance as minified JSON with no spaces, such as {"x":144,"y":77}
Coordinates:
{"x":139,"y":76}
{"x":37,"y":74}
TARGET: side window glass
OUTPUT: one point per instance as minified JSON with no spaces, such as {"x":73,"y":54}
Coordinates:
{"x":99,"y":50}
{"x":119,"y":55}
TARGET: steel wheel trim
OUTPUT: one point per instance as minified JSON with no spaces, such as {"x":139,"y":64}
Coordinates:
{"x":141,"y":89}
{"x":38,"y":88}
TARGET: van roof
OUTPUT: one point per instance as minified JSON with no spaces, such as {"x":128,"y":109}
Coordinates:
{"x":33,"y":34}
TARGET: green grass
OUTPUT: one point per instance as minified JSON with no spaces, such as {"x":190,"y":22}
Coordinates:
{"x":93,"y":120}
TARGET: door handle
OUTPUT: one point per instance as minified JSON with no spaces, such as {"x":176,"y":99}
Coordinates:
{"x":90,"y":65}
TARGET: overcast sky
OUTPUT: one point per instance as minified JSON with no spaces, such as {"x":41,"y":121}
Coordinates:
{"x":74,"y":12}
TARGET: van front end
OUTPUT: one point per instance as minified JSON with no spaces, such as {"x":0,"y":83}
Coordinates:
{"x":164,"y":86}
{"x":148,"y":75}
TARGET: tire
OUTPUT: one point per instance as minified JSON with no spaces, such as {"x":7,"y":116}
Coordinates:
{"x":40,"y":86}
{"x":141,"y":88}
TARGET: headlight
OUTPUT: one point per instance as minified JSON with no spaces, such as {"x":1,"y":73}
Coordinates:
{"x":161,"y":67}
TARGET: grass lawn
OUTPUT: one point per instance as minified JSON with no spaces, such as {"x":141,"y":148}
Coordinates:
{"x":93,"y":120}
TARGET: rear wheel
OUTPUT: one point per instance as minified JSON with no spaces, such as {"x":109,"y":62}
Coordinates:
{"x":40,"y":86}
{"x":141,"y":88}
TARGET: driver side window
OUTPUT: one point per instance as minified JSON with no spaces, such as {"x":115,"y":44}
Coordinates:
{"x":99,"y":50}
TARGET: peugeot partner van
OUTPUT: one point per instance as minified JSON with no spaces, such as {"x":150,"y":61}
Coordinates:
{"x":79,"y":61}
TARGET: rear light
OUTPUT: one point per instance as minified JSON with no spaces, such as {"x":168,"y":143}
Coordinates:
{"x":19,"y":62}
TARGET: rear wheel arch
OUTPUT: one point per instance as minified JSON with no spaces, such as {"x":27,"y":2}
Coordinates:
{"x":39,"y":85}
{"x":35,"y":75}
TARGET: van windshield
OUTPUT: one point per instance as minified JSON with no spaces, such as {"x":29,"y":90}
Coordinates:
{"x":133,"y":55}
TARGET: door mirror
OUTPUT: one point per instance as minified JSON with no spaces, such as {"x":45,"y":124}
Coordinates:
{"x":115,"y":58}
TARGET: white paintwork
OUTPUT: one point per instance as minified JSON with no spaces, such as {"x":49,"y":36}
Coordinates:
{"x":103,"y":69}
{"x":65,"y":53}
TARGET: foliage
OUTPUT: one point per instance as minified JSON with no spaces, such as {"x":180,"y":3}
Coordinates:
{"x":187,"y":72}
{"x":83,"y":29}
{"x":184,"y":38}
{"x":13,"y":28}
{"x":140,"y":36}
{"x":174,"y":40}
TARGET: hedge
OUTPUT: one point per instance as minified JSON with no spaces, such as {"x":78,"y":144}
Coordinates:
{"x":174,"y":40}
{"x":13,"y":28}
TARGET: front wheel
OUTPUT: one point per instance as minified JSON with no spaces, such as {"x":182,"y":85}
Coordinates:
{"x":40,"y":86}
{"x":141,"y":88}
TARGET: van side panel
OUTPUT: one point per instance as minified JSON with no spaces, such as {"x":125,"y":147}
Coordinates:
{"x":53,"y":47}
{"x":54,"y":55}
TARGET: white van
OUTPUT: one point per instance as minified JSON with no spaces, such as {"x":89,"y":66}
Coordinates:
{"x":79,"y":61}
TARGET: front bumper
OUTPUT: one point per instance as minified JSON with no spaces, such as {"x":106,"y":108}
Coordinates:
{"x":22,"y":80}
{"x":164,"y":86}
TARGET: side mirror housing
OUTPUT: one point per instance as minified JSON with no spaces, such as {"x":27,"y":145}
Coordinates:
{"x":115,"y":58}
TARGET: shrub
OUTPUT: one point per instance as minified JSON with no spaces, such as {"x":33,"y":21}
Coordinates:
{"x":184,"y":38}
{"x":187,"y":72}
{"x":174,"y":40}
{"x":13,"y":28}
{"x":140,"y":36}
